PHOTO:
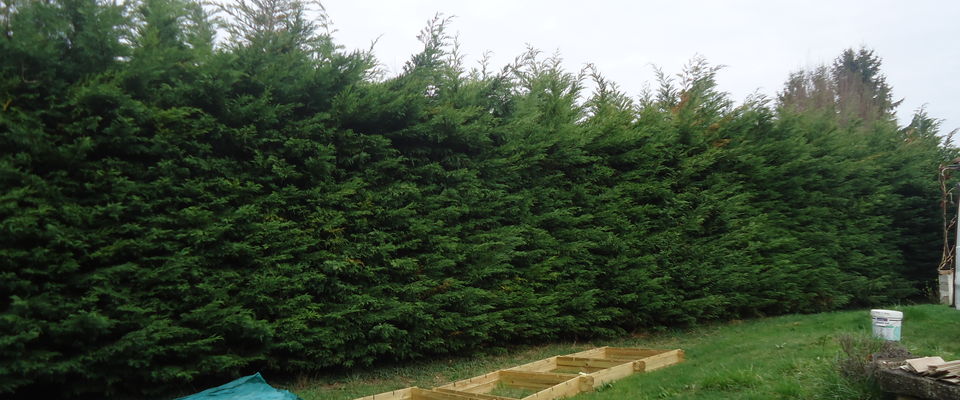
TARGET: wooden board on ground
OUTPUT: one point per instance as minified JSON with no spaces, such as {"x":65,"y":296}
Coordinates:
{"x":551,"y":378}
{"x":920,"y":364}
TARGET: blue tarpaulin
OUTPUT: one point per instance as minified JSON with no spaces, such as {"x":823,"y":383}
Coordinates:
{"x":252,"y":387}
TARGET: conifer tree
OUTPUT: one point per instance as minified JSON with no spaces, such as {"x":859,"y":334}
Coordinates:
{"x":177,"y":212}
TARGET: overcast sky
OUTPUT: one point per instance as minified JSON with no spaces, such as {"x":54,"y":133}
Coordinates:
{"x":760,"y":42}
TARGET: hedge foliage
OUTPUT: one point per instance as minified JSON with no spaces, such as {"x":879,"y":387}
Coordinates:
{"x":176,"y":211}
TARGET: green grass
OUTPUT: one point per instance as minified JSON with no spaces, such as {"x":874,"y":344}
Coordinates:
{"x":509,"y":391}
{"x":789,"y":357}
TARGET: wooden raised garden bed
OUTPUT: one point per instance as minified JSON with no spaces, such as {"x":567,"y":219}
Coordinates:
{"x":547,"y":379}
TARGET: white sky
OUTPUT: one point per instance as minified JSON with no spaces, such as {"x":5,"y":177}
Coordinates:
{"x":760,"y":42}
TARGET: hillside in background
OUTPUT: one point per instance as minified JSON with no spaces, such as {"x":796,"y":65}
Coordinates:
{"x":177,"y":211}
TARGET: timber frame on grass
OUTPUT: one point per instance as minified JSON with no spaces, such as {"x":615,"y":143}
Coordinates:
{"x":550,"y":378}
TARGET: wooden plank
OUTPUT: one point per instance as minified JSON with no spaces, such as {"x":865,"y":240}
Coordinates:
{"x":592,"y":353}
{"x":586,"y":383}
{"x":477,"y":384}
{"x":484,"y":387}
{"x":945,"y":368}
{"x":627,"y":353}
{"x":538,"y":376}
{"x":533,"y":380}
{"x":585,"y":370}
{"x":949,"y":363}
{"x":608,"y":375}
{"x":402,"y":394}
{"x":472,"y":396}
{"x":664,"y":359}
{"x":921,"y":364}
{"x":569,"y":388}
{"x":545,"y":365}
{"x":435,"y":395}
{"x":587,"y":362}
{"x":415,"y":393}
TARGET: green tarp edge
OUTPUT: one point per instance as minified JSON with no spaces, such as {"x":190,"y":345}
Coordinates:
{"x":252,"y":387}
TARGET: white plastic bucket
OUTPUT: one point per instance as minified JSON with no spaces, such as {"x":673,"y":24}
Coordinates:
{"x":886,"y":324}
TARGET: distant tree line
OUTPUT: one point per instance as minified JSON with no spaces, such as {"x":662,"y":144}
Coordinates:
{"x":176,"y":211}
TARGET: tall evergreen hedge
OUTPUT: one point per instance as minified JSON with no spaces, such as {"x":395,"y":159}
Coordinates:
{"x":176,"y":212}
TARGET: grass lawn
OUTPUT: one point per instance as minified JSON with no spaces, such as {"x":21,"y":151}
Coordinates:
{"x":788,"y":357}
